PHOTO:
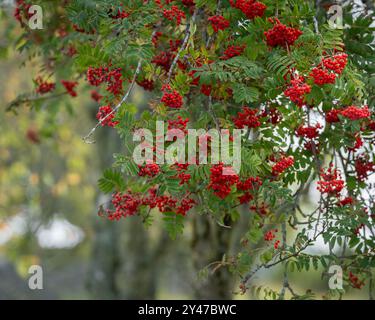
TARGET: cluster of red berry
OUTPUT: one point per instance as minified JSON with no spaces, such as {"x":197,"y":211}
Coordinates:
{"x":44,"y":86}
{"x":283,"y":164}
{"x":247,"y":118}
{"x":163,"y":59}
{"x":219,"y":23}
{"x":357,"y":145}
{"x":270,"y":235}
{"x":174,"y":45}
{"x":355,"y":282}
{"x":221,"y":184}
{"x":250,"y":184}
{"x":322,"y":76}
{"x":188,"y":3}
{"x":125,"y":205}
{"x":105,"y":115}
{"x":297,"y":90}
{"x":272,"y":114}
{"x":70,"y":51}
{"x":310,"y":132}
{"x":21,"y":10}
{"x":174,"y":13}
{"x":232,"y":51}
{"x":363,"y":166}
{"x":182,"y":175}
{"x":259,"y":209}
{"x":171,"y":98}
{"x":332,"y":116}
{"x":281,"y":35}
{"x":155,"y":38}
{"x":337,"y":63}
{"x":111,"y":76}
{"x":128,"y":204}
{"x":356,"y":113}
{"x":351,"y":112}
{"x":96,"y":96}
{"x":179,"y":123}
{"x":149,"y":169}
{"x":346,"y":201}
{"x":331,"y":182}
{"x":276,"y":244}
{"x":120,"y":14}
{"x":69,"y":86}
{"x":146,"y":84}
{"x":251,"y":8}
{"x":185,"y":205}
{"x":206,"y":89}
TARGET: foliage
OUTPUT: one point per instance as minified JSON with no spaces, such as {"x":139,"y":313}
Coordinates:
{"x":214,"y":75}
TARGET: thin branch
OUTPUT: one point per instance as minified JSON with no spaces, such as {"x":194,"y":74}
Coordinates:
{"x":217,"y":12}
{"x":316,"y":24}
{"x":124,"y":98}
{"x":285,"y":281}
{"x":247,"y":277}
{"x":19,"y":101}
{"x":211,"y":110}
{"x":183,"y":45}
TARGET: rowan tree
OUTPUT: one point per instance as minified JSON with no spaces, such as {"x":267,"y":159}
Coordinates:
{"x":300,"y":88}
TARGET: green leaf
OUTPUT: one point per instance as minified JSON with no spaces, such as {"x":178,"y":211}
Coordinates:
{"x":111,"y":179}
{"x":244,"y":94}
{"x":173,"y":223}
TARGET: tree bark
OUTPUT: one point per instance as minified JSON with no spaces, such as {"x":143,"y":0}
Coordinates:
{"x":209,"y":243}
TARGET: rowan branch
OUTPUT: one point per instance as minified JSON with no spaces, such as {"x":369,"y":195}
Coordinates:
{"x":124,"y":98}
{"x":183,"y":45}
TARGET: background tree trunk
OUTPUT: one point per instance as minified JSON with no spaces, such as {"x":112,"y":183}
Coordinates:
{"x":209,"y":243}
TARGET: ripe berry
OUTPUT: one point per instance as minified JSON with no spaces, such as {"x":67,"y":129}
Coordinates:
{"x":281,"y":35}
{"x":174,"y":14}
{"x":331,"y":182}
{"x":250,"y":8}
{"x":356,"y":113}
{"x":218,"y":23}
{"x":322,"y":77}
{"x":44,"y":86}
{"x":232,"y":51}
{"x":69,"y":86}
{"x":247,"y":118}
{"x":105,"y":113}
{"x":282,"y":165}
{"x":297,"y":91}
{"x":171,"y":98}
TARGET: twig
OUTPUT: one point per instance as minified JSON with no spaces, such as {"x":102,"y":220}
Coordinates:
{"x":316,"y":24}
{"x":211,"y":110}
{"x":217,"y":12}
{"x":183,"y":45}
{"x":17,"y":102}
{"x":124,"y":98}
{"x":247,"y":277}
{"x":285,"y":282}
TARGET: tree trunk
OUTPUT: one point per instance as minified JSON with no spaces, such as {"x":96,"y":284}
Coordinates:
{"x":210,"y":242}
{"x":105,"y":256}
